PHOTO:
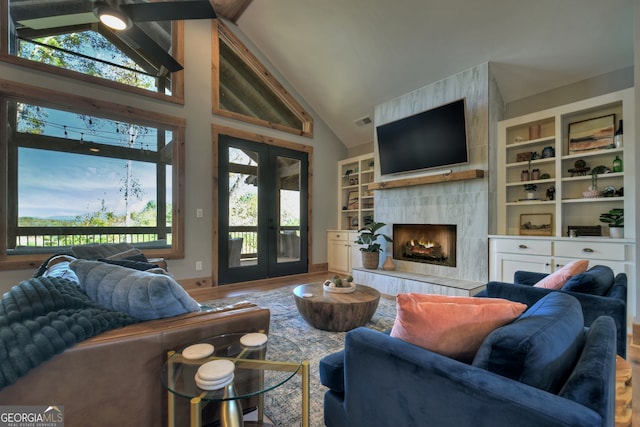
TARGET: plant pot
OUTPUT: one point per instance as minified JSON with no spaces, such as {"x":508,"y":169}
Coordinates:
{"x":370,"y":260}
{"x":616,"y":232}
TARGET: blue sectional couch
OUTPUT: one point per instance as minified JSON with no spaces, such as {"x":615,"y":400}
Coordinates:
{"x":599,"y":292}
{"x":543,"y":369}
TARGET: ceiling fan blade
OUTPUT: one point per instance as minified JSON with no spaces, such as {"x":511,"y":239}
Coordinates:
{"x":169,"y":11}
{"x":153,"y":49}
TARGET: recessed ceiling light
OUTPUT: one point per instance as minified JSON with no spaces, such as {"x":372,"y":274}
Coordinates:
{"x":113,"y":18}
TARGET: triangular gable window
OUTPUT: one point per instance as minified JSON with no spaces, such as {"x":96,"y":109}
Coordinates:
{"x":245,"y":90}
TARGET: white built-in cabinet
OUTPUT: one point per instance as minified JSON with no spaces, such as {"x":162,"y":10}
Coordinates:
{"x":355,"y":198}
{"x":547,"y":132}
{"x":536,"y":248}
{"x":343,"y":254}
{"x":355,"y":209}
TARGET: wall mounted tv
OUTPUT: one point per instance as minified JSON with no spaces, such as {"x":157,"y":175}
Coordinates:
{"x":432,"y":139}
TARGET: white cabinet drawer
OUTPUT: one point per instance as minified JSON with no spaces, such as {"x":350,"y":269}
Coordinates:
{"x":523,"y":246}
{"x":338,"y":235}
{"x":590,"y":250}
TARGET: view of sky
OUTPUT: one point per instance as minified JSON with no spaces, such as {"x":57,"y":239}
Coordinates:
{"x":57,"y":184}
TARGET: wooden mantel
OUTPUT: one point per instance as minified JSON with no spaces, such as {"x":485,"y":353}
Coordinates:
{"x":431,"y":179}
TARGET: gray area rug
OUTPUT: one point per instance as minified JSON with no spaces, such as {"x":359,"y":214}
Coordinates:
{"x":283,"y":405}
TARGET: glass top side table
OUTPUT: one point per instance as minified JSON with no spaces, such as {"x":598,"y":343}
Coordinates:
{"x":258,"y":369}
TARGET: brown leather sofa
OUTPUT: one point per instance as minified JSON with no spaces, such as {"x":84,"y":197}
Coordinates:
{"x":113,"y":379}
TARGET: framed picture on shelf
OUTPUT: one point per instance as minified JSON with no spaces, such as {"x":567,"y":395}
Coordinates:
{"x":352,"y":200}
{"x":536,"y":224}
{"x":591,"y":134}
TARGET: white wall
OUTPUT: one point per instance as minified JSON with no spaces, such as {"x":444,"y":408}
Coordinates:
{"x":197,"y":111}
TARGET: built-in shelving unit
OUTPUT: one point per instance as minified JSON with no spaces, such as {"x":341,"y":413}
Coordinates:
{"x":355,"y":195}
{"x":570,"y":204}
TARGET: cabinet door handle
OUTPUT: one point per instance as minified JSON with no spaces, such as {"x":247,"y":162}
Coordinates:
{"x":547,"y":264}
{"x":588,"y":250}
{"x":522,"y":246}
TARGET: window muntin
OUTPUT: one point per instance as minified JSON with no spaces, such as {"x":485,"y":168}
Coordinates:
{"x":76,"y":178}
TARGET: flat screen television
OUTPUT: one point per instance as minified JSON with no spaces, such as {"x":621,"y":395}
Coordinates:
{"x":432,"y":139}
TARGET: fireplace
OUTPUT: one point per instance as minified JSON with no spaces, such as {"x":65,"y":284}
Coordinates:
{"x":426,"y":243}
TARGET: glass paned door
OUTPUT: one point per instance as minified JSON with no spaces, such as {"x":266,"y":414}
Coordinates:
{"x":263,"y":205}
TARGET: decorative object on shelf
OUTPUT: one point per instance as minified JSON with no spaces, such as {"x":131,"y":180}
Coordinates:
{"x":602,"y":169}
{"x":339,"y":286}
{"x":518,"y":139}
{"x":353,"y":223}
{"x":609,"y":191}
{"x":593,"y":191}
{"x":524,"y":156}
{"x":536,"y":224}
{"x":531,"y":189}
{"x":535,"y":174}
{"x":534,"y":132}
{"x":551,"y":192}
{"x":548,"y":152}
{"x":617,"y":137}
{"x":388,"y":264}
{"x":352,"y":201}
{"x":371,"y":250}
{"x":617,"y":164}
{"x":579,"y":168}
{"x":545,"y":176}
{"x":585,"y":230}
{"x":615,"y":219}
{"x":591,"y":134}
{"x":524,"y":176}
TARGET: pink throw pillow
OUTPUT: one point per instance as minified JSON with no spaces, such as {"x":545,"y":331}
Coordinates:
{"x":557,"y":279}
{"x":452,"y":326}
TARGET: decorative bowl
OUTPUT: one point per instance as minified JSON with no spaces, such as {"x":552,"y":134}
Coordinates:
{"x":592,"y":194}
{"x":339,"y":290}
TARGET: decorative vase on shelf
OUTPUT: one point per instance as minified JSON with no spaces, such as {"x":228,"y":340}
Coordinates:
{"x":389,"y":264}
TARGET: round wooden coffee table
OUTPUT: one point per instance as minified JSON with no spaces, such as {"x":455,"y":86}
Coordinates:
{"x":333,"y":311}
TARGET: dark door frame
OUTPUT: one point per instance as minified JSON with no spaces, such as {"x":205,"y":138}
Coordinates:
{"x":275,"y":145}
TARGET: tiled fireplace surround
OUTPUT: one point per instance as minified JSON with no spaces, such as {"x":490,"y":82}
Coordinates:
{"x":466,"y":204}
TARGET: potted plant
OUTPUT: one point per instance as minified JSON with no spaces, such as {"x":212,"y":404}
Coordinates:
{"x":530,"y":189}
{"x":615,"y":219}
{"x":370,"y":249}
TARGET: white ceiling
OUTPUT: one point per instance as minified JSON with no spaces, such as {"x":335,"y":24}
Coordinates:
{"x":346,"y":56}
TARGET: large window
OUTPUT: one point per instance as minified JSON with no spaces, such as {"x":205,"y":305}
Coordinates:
{"x":67,"y":35}
{"x":76,"y":176}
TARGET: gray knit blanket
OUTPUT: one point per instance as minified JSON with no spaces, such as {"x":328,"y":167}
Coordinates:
{"x":44,"y":316}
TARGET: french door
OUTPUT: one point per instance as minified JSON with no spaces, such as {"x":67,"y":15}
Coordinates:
{"x":262,"y":210}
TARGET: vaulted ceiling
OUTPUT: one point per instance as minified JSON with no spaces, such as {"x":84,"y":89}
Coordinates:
{"x":346,"y":56}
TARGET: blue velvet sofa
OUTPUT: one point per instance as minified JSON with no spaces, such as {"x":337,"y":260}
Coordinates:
{"x":597,"y":290}
{"x":543,"y":369}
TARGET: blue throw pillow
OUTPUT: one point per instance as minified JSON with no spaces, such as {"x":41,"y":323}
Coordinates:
{"x":540,"y":347}
{"x":140,"y":294}
{"x":595,"y":281}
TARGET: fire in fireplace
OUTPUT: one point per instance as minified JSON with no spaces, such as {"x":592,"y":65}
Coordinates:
{"x":426,"y":243}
